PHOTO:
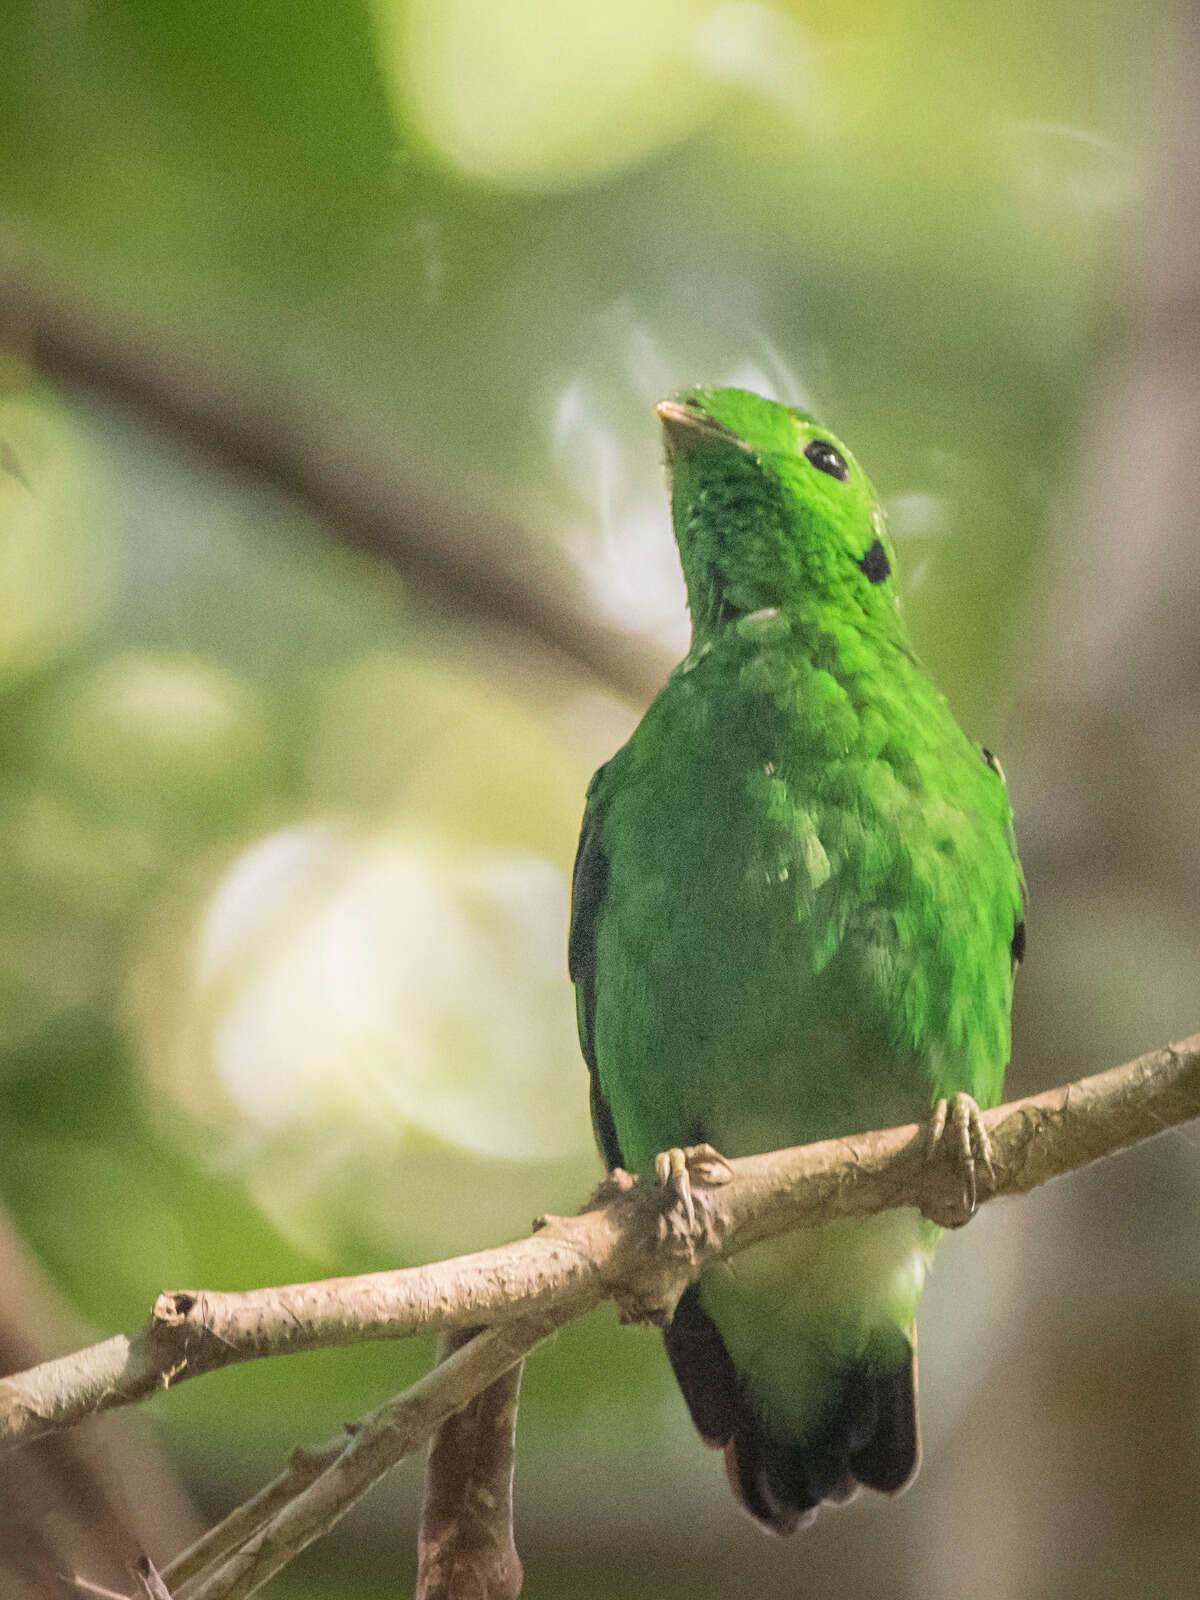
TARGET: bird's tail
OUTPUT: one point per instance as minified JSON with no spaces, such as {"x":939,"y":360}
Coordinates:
{"x":864,"y":1435}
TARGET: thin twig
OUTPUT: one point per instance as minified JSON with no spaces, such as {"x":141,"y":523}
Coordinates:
{"x":146,"y":1576}
{"x":613,"y":1251}
{"x":84,"y":1586}
{"x":148,"y":1580}
{"x":394,"y":1431}
{"x":189,"y":1574}
{"x":304,"y":1466}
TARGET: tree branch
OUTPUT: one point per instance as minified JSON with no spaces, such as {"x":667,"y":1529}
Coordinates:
{"x":453,"y":548}
{"x":465,"y":1547}
{"x":149,"y":1580}
{"x":245,"y":1551}
{"x":615,"y":1250}
{"x":377,"y":1443}
{"x":305,"y":1466}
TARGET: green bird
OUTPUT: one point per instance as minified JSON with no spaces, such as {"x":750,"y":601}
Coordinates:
{"x":797,"y":913}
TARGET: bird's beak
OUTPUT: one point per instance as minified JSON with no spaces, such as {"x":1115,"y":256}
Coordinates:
{"x":684,"y":427}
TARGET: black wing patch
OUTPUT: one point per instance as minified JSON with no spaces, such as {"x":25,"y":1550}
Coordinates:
{"x":1017,"y":948}
{"x":589,"y":886}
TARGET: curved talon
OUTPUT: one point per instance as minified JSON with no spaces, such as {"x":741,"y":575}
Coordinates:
{"x":671,"y":1169}
{"x":959,"y":1122}
{"x":678,"y":1169}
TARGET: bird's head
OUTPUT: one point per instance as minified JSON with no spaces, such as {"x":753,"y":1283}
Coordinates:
{"x":772,"y":511}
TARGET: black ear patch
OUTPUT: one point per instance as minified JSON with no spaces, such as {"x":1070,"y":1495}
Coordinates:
{"x":875,"y":563}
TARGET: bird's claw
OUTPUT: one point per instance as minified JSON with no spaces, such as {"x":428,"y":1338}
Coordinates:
{"x":957,"y":1127}
{"x":670,"y":1168}
{"x":677,"y":1170}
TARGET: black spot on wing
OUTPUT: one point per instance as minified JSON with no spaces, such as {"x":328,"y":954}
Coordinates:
{"x":589,"y":888}
{"x":1017,"y":947}
{"x":603,"y":1126}
{"x":992,"y":763}
{"x":875,"y":563}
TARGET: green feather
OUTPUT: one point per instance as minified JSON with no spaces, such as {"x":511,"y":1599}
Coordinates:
{"x":794,"y":914}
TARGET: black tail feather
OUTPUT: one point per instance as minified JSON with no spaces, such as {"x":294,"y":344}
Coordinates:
{"x":703,"y":1369}
{"x":749,"y":1463}
{"x":890,"y":1458}
{"x":867,"y":1437}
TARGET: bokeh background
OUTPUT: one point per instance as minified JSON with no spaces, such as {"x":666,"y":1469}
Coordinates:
{"x":286,"y":826}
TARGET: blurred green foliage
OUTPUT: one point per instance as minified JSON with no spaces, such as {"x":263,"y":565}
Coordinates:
{"x":283,"y":900}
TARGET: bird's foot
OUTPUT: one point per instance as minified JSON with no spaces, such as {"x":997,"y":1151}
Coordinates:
{"x":676,"y":1207}
{"x":677,"y":1171}
{"x":957,"y":1129}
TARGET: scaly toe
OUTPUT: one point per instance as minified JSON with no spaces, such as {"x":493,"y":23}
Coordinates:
{"x":963,"y":1149}
{"x":680,"y":1172}
{"x":671,"y":1169}
{"x":957,"y":1126}
{"x":708,"y":1166}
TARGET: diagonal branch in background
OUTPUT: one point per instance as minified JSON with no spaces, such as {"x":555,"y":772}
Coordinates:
{"x":612,"y":1251}
{"x":399,"y":1427}
{"x":320,"y":1486}
{"x":223,"y":409}
{"x":209,"y":1552}
{"x":62,"y":1510}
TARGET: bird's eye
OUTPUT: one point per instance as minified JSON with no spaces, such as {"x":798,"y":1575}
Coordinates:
{"x":827,"y":458}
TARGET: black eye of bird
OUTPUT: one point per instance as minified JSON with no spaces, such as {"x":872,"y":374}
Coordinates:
{"x":827,"y":458}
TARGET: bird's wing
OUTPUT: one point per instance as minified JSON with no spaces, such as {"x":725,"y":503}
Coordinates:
{"x":589,"y":887}
{"x":1018,"y":935}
